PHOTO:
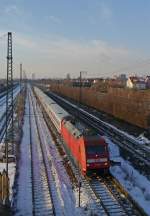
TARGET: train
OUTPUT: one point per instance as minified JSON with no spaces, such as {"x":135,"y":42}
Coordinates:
{"x":87,"y":149}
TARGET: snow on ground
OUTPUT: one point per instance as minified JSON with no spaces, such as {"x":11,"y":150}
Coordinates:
{"x":143,"y":139}
{"x":11,"y":166}
{"x":23,"y":198}
{"x":136,"y":184}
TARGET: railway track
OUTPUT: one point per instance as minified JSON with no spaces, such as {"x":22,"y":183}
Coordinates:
{"x":2,"y":123}
{"x":139,"y":152}
{"x":2,"y":101}
{"x":114,"y":199}
{"x":3,"y":115}
{"x":3,"y":96}
{"x":41,"y":179}
{"x":109,"y":196}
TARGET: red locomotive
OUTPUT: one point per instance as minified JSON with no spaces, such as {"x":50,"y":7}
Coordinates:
{"x":87,"y":149}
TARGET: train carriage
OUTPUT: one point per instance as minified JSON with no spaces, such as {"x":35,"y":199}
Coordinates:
{"x":54,"y":111}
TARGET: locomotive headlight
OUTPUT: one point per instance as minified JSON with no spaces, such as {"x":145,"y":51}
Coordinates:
{"x":105,"y":163}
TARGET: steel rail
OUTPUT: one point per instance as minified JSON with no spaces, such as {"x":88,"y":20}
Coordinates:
{"x":123,"y":201}
{"x":35,"y":184}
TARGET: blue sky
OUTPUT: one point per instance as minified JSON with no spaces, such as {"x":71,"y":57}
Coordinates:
{"x":56,"y":37}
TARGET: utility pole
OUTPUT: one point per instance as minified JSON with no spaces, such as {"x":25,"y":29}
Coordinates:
{"x":79,"y":185}
{"x":9,"y":100}
{"x":80,"y":92}
{"x":80,"y":101}
{"x":25,"y":78}
{"x":20,"y":76}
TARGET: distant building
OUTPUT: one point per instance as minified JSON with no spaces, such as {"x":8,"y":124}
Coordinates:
{"x":122,"y":77}
{"x":134,"y":82}
{"x":147,"y":80}
{"x":33,"y":76}
{"x":68,"y":77}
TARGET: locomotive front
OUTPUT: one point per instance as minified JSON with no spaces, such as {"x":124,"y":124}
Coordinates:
{"x":97,"y":155}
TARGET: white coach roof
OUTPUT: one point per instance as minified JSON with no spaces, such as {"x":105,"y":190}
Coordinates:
{"x":58,"y":111}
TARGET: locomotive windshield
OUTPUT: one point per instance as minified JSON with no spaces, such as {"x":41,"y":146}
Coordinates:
{"x":96,"y":149}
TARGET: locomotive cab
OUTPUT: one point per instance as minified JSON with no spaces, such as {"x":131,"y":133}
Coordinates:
{"x":97,"y":156}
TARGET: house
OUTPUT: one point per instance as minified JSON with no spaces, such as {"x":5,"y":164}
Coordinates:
{"x":147,"y":80}
{"x":134,"y":82}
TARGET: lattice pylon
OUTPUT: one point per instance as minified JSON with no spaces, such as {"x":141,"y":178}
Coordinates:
{"x":9,"y":100}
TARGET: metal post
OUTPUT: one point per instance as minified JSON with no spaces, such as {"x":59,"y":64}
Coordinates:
{"x":79,"y":193}
{"x":80,"y":101}
{"x":80,"y":93}
{"x":9,"y":99}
